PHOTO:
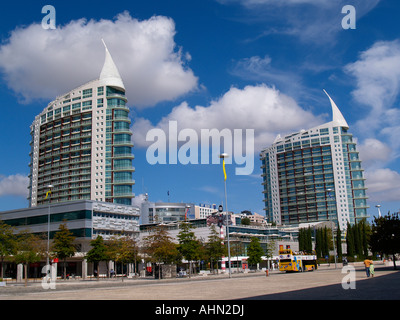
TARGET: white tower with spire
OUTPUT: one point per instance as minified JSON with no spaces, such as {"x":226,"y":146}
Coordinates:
{"x":314,"y":175}
{"x":109,"y":75}
{"x":81,"y":144}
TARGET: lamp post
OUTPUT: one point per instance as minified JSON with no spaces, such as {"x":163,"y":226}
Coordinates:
{"x":48,"y":194}
{"x":379,"y":210}
{"x":332,"y":223}
{"x":223,"y":156}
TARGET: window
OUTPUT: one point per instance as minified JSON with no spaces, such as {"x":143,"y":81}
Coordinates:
{"x":324,"y":131}
{"x":115,"y":102}
{"x":87,"y":93}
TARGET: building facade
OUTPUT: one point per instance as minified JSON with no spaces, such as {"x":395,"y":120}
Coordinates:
{"x":166,"y":212}
{"x":204,"y":210}
{"x":314,"y":175}
{"x":86,"y":219}
{"x":81,"y":145}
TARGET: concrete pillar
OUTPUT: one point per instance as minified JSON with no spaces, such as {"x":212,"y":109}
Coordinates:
{"x":55,"y":269}
{"x":20,"y":272}
{"x":111,"y":266}
{"x":84,"y":269}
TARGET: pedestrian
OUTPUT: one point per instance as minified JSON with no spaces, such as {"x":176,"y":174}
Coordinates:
{"x":372,"y":269}
{"x":367,"y":264}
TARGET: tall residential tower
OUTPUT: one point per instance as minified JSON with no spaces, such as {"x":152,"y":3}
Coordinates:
{"x":81,"y":144}
{"x":314,"y":175}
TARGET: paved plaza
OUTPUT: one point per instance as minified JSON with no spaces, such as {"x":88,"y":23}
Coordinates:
{"x":323,"y":284}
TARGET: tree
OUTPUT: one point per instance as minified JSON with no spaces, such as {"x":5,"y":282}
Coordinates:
{"x":339,"y":243}
{"x":189,"y":246}
{"x":128,"y":251}
{"x":318,"y":242}
{"x":97,"y":253}
{"x":305,"y":239}
{"x":29,"y":249}
{"x":214,"y":248}
{"x":245,"y":221}
{"x":7,"y":244}
{"x":385,"y":236}
{"x":357,"y":237}
{"x":63,"y":245}
{"x":366,"y":233}
{"x":255,"y":251}
{"x":159,"y":247}
{"x":350,"y":241}
{"x":325,"y":242}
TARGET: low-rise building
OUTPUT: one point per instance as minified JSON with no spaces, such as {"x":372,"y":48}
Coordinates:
{"x":86,"y":219}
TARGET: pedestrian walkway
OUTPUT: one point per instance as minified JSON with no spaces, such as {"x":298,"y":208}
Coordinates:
{"x":324,"y":283}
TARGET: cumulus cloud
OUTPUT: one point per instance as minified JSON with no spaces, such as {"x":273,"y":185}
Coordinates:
{"x":373,"y":151}
{"x":377,"y":72}
{"x":377,"y":75}
{"x":14,"y":185}
{"x":262,"y":108}
{"x":139,"y":199}
{"x":383,"y":185}
{"x":41,"y":64}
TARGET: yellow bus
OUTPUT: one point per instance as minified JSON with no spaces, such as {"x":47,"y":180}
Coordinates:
{"x":291,"y":261}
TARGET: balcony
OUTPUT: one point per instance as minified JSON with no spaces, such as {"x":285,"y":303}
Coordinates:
{"x":124,"y":181}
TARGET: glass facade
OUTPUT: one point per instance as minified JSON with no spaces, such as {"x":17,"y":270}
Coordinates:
{"x":81,"y":145}
{"x":314,"y":175}
{"x":119,"y":145}
{"x":304,"y":176}
{"x":64,"y":157}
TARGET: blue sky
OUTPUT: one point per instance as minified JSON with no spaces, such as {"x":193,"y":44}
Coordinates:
{"x":235,"y":64}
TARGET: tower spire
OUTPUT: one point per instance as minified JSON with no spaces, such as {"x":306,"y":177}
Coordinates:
{"x":110,"y":74}
{"x":337,"y":116}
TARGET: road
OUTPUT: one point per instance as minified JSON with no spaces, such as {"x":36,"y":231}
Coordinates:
{"x":323,"y":284}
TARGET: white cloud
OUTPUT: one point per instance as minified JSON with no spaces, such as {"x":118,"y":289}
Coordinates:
{"x":14,"y":185}
{"x":383,"y":185}
{"x":139,"y":199}
{"x":373,"y":151}
{"x":41,"y":64}
{"x":250,"y":3}
{"x":261,"y":69}
{"x":262,"y":108}
{"x":377,"y":73}
{"x":311,"y":21}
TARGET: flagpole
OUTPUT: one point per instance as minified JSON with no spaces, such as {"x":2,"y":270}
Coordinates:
{"x":48,"y":225}
{"x":223,"y":156}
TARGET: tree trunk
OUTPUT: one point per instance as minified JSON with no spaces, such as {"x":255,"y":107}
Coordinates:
{"x":26,"y":274}
{"x":65,"y":269}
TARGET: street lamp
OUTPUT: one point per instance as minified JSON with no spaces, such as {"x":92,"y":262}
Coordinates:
{"x":48,"y":194}
{"x":223,"y":156}
{"x":379,"y":210}
{"x":332,"y":223}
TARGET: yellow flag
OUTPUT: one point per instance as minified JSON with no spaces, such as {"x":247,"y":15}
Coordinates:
{"x":223,"y":166}
{"x":47,"y":194}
